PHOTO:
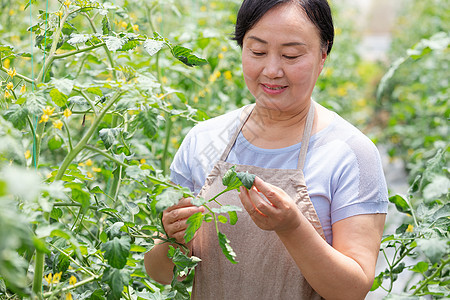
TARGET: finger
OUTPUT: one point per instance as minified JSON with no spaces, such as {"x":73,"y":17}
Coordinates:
{"x":182,"y":213}
{"x":248,"y":204}
{"x":271,"y":192}
{"x":260,"y":202}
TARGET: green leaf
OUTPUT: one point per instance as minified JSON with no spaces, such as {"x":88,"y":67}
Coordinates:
{"x":181,"y":261}
{"x":185,"y":56}
{"x":35,"y":102}
{"x":17,"y":115}
{"x":198,"y":201}
{"x":226,"y":248}
{"x":420,"y":267}
{"x":168,"y":198}
{"x":233,"y":217}
{"x":194,"y":222}
{"x":137,"y":248}
{"x":106,"y":27}
{"x":247,"y":179}
{"x":438,"y":186}
{"x":230,"y":179}
{"x":116,"y":279}
{"x":55,"y":142}
{"x":152,"y":46}
{"x":82,"y":197}
{"x":136,"y":173}
{"x":129,"y":45}
{"x":76,"y":38}
{"x":117,"y":251}
{"x":377,"y":282}
{"x":114,"y":43}
{"x":63,"y":85}
{"x":58,"y":98}
{"x":433,"y":248}
{"x":56,"y":213}
{"x":400,"y":203}
{"x":147,"y":120}
{"x":95,"y":90}
{"x":222,"y":219}
{"x":109,"y":136}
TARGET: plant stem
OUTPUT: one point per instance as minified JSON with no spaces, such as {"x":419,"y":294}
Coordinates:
{"x":71,"y":287}
{"x":166,"y":145}
{"x":107,"y":155}
{"x":74,"y":261}
{"x":69,"y":138}
{"x":38,"y":274}
{"x":85,"y":139}
{"x":432,"y":276}
{"x":38,"y":133}
{"x":29,"y":80}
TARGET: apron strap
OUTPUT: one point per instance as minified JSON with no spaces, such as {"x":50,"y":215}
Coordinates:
{"x":306,"y":136}
{"x":305,"y":139}
{"x":236,"y":134}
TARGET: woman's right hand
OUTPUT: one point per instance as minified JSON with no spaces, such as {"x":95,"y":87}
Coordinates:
{"x":174,"y":218}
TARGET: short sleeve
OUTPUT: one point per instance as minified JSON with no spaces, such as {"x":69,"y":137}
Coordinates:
{"x":180,"y":170}
{"x":360,"y":186}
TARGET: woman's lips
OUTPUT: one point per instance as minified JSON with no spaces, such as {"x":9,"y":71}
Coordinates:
{"x":273,"y":89}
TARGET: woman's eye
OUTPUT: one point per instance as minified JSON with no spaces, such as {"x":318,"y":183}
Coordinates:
{"x":291,"y":57}
{"x":256,"y":53}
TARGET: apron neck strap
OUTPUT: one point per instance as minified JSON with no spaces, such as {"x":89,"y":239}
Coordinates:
{"x":247,"y":113}
{"x":305,"y":138}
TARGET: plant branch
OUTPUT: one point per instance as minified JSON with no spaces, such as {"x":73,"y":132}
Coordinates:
{"x":38,"y":273}
{"x":85,"y":139}
{"x":107,"y":155}
{"x":432,"y":276}
{"x":74,"y":261}
{"x":71,"y":287}
{"x":29,"y":80}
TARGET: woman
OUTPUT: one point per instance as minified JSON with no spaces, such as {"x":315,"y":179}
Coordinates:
{"x":312,"y":223}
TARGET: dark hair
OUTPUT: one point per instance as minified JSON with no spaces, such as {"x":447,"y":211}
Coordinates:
{"x":318,"y":12}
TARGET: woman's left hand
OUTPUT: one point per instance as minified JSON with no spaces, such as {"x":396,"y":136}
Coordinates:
{"x":278,"y":213}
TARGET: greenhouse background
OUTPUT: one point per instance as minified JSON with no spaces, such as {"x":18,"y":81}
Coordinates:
{"x":96,"y":97}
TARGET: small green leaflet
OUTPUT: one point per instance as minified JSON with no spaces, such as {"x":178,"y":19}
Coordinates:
{"x":117,"y":251}
{"x":226,"y":248}
{"x":168,"y":198}
{"x":106,"y":27}
{"x":17,"y":115}
{"x":109,"y":136}
{"x":194,"y":222}
{"x":401,"y":204}
{"x":116,"y":279}
{"x":59,"y":98}
{"x":113,"y":43}
{"x":185,"y":56}
{"x":230,"y":179}
{"x":152,"y":46}
{"x":247,"y":179}
{"x":181,"y":261}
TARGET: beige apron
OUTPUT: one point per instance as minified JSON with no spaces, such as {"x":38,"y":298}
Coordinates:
{"x":265,"y":269}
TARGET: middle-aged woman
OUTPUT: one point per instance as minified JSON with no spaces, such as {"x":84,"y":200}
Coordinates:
{"x":312,"y":223}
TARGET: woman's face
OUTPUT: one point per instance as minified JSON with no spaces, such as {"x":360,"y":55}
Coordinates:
{"x":282,"y":58}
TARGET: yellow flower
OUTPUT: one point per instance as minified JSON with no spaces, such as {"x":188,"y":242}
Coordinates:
{"x":23,"y":89}
{"x":123,"y":24}
{"x":224,"y":49}
{"x":44,"y":118}
{"x":221,"y":56}
{"x":164,"y":79}
{"x":342,"y":91}
{"x":10,"y":86}
{"x":89,"y":175}
{"x":27,"y":154}
{"x":69,"y":296}
{"x":203,"y":8}
{"x":228,"y":75}
{"x":67,"y":3}
{"x":195,"y":99}
{"x":57,"y":277}
{"x":410,"y":228}
{"x":214,"y":76}
{"x":89,"y":162}
{"x":142,"y":161}
{"x":81,"y":164}
{"x":159,"y":19}
{"x":48,"y":278}
{"x":135,"y":27}
{"x":72,"y":280}
{"x":58,"y":124}
{"x":97,"y":170}
{"x":12,"y":72}
{"x":59,"y":13}
{"x":48,"y":110}
{"x":7,"y":63}
{"x":7,"y":94}
{"x":11,"y":12}
{"x":67,"y":113}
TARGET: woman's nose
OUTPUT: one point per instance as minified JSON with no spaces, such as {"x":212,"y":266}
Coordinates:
{"x":273,"y":67}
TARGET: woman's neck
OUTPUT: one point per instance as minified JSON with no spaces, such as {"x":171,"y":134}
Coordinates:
{"x":271,"y":129}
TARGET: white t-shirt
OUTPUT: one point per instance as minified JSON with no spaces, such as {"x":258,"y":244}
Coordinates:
{"x":343,"y":170}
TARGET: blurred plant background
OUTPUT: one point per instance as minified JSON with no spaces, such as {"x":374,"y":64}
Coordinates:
{"x":96,"y":99}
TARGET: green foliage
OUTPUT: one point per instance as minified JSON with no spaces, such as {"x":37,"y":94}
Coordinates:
{"x":424,"y":238}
